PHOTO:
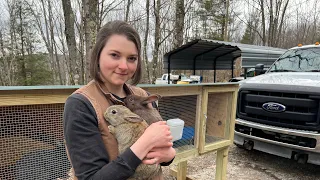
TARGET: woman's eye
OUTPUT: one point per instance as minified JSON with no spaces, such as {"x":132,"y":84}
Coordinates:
{"x":132,"y":58}
{"x":114,"y":55}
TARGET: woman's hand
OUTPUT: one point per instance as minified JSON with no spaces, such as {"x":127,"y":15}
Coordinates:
{"x":156,"y":135}
{"x":159,"y":155}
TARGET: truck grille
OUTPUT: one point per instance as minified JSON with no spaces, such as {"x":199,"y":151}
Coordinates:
{"x":301,"y":110}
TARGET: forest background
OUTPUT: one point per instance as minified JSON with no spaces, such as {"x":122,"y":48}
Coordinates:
{"x":44,"y":42}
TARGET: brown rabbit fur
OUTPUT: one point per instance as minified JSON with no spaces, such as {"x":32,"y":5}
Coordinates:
{"x":127,"y":127}
{"x":139,"y":105}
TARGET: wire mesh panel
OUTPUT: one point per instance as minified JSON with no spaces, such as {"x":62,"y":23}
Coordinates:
{"x":217,"y":116}
{"x":184,"y":108}
{"x":31,"y":142}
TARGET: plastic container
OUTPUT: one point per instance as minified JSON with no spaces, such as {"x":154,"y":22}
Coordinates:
{"x":176,"y":128}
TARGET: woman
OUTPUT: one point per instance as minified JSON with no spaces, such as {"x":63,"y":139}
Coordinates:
{"x":92,"y":150}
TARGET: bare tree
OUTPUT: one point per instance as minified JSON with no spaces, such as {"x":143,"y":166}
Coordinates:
{"x":276,"y":9}
{"x":48,"y":35}
{"x":179,"y":25}
{"x":129,"y":2}
{"x":53,"y":43}
{"x":69,"y":20}
{"x":2,"y":59}
{"x":13,"y":47}
{"x":276,"y":24}
{"x":263,"y":21}
{"x":47,"y":39}
{"x":226,"y":20}
{"x":145,"y":42}
{"x":104,"y":10}
{"x":157,"y":6}
{"x":90,"y":22}
{"x":63,"y":49}
{"x":22,"y":63}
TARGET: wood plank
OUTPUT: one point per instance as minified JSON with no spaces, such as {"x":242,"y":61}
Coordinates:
{"x":203,"y":120}
{"x":198,"y":119}
{"x":225,"y":88}
{"x":38,"y":91}
{"x":228,"y":116}
{"x":174,"y":173}
{"x":29,"y":99}
{"x":221,"y":164}
{"x":174,"y":90}
{"x":182,"y":170}
{"x":233,"y":115}
{"x":185,"y":155}
{"x":217,"y":145}
{"x":217,"y":114}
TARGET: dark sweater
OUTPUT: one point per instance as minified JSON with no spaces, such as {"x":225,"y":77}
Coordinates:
{"x":87,"y":152}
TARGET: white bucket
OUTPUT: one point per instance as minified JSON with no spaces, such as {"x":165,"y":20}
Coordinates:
{"x":176,"y":128}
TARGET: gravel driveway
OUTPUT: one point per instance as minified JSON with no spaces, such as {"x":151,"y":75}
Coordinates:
{"x":250,"y":165}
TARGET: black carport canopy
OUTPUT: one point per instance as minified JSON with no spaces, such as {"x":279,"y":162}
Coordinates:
{"x":205,"y":54}
{"x":201,"y":54}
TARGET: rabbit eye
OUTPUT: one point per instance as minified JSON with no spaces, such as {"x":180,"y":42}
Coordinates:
{"x":113,"y":111}
{"x":130,"y":99}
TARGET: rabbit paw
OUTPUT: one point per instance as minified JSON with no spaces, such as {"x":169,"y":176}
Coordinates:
{"x":111,"y":129}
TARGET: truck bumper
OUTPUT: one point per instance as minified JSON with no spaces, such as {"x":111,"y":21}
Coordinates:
{"x":280,"y":147}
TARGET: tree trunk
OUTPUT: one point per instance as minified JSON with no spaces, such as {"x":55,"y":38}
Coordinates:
{"x":145,"y":43}
{"x":23,"y":73}
{"x":82,"y":43}
{"x":179,"y":23}
{"x":2,"y":45}
{"x":281,"y":23}
{"x":128,"y":10}
{"x":13,"y":43}
{"x":53,"y":44}
{"x":263,"y":19}
{"x":65,"y":62}
{"x":90,"y":27}
{"x":3,"y":65}
{"x":270,"y":22}
{"x":157,"y":4}
{"x":70,"y":37}
{"x":226,"y":21}
{"x":47,"y":38}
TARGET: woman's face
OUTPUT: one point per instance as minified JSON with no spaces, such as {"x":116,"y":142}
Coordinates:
{"x":118,"y":60}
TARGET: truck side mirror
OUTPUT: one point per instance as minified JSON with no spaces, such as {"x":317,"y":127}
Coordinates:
{"x":259,"y":69}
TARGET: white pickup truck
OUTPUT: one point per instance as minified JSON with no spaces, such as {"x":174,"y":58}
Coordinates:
{"x":178,"y":79}
{"x":164,"y":79}
{"x":279,"y":112}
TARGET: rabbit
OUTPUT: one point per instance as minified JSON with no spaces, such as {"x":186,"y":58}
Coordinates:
{"x":127,"y":127}
{"x":139,"y":105}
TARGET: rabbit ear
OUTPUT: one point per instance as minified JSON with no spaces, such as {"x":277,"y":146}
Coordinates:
{"x":134,"y":119}
{"x":151,"y":98}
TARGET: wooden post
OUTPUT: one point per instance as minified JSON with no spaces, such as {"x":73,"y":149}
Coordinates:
{"x":182,"y":170}
{"x":202,"y":128}
{"x":221,"y":164}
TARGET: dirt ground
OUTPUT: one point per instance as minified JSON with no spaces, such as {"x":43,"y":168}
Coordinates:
{"x":250,"y":165}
